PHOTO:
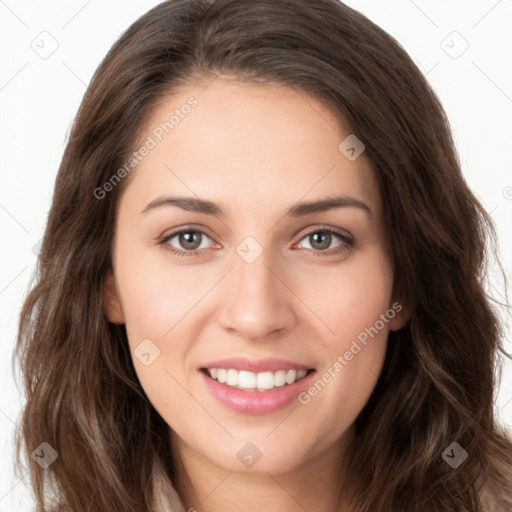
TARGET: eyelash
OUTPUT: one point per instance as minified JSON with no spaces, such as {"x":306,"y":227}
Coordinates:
{"x":347,"y":242}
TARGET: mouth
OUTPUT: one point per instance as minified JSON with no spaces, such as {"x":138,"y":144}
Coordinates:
{"x":256,"y":387}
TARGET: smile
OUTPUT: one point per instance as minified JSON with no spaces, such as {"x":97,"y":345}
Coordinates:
{"x":256,"y":387}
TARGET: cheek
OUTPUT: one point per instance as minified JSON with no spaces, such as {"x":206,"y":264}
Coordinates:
{"x":162,"y":307}
{"x":155,"y":296}
{"x":351,"y":297}
{"x":356,"y":308}
{"x":158,"y":304}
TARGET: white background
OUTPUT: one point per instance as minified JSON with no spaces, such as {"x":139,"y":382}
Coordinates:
{"x":39,"y":97}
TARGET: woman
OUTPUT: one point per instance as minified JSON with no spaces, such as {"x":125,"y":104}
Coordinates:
{"x":260,"y":283}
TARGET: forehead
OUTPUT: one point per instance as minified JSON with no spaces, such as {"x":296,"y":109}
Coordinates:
{"x":247,"y":146}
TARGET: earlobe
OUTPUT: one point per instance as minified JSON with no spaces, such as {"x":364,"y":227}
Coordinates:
{"x":111,"y":304}
{"x":402,"y":316}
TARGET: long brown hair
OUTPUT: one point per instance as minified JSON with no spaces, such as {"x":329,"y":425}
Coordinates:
{"x":439,"y":379}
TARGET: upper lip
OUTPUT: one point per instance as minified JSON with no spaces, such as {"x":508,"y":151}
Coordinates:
{"x":256,"y":366}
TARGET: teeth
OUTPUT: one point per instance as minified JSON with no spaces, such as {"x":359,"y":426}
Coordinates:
{"x":246,"y":380}
{"x":265,"y":380}
{"x":232,"y":378}
{"x":255,"y":381}
{"x":280,"y":378}
{"x":291,"y":375}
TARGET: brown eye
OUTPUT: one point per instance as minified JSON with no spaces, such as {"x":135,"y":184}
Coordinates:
{"x":326,"y":242}
{"x":320,"y":240}
{"x":189,"y":239}
{"x":186,"y":242}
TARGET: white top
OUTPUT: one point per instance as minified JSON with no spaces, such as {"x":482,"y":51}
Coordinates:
{"x":167,"y":497}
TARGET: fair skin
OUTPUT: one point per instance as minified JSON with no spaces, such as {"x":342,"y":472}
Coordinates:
{"x":255,"y":152}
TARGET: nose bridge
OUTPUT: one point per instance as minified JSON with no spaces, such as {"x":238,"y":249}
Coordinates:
{"x":257,"y":302}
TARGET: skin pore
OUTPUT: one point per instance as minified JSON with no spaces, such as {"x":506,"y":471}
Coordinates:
{"x":255,"y":152}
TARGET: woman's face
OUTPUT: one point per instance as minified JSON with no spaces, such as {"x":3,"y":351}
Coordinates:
{"x":259,"y":289}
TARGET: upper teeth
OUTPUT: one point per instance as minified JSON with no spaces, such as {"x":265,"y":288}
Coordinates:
{"x":260,"y":381}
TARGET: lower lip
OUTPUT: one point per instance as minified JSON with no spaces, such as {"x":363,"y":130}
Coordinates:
{"x":256,"y":402}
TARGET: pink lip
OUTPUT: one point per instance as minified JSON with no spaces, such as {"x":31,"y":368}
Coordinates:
{"x":256,"y":402}
{"x":262,"y":365}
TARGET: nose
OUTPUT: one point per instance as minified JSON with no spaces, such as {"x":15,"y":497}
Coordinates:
{"x":258,"y":303}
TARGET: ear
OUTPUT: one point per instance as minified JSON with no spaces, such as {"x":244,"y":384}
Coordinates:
{"x":402,"y":315}
{"x":111,"y":304}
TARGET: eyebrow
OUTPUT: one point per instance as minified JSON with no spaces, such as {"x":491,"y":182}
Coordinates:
{"x":194,"y":204}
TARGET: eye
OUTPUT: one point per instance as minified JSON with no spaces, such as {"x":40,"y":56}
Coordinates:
{"x":191,"y":241}
{"x":322,"y":239}
{"x":186,"y":242}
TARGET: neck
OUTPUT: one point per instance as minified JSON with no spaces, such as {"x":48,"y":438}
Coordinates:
{"x":316,"y":484}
